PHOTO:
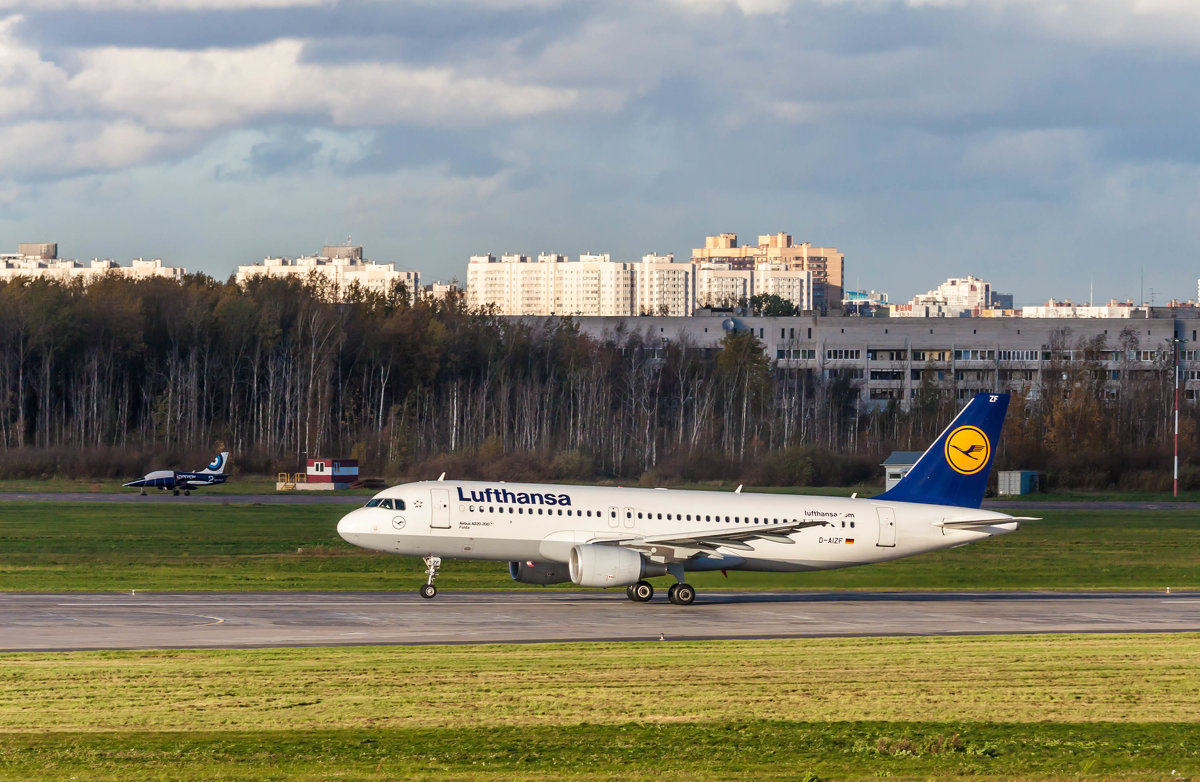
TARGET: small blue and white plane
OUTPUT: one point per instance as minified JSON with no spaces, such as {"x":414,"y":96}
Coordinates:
{"x":599,"y":536}
{"x":169,"y":480}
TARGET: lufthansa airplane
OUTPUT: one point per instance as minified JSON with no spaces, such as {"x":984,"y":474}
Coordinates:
{"x":599,"y":536}
{"x":169,"y":480}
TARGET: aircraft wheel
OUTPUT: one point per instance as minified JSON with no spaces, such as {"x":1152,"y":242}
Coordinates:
{"x":428,"y":591}
{"x":176,"y":492}
{"x":682,"y":594}
{"x":641,"y":592}
{"x":629,"y":591}
{"x":187,"y":493}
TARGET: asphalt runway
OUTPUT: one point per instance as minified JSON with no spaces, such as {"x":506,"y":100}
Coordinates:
{"x":206,"y":497}
{"x":244,"y":620}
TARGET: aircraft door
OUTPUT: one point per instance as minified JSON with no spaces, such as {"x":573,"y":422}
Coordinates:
{"x":628,"y":520}
{"x":887,"y":527}
{"x":613,"y":517}
{"x":440,"y":512}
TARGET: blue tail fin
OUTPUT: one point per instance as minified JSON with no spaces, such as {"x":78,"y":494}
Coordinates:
{"x":954,"y":471}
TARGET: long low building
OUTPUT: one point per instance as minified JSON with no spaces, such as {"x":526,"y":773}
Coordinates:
{"x":893,"y":358}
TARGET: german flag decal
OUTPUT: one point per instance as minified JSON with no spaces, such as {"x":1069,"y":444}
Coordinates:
{"x":849,"y":540}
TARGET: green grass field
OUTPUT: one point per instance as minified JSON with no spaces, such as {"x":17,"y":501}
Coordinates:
{"x":47,"y":547}
{"x":1000,"y":707}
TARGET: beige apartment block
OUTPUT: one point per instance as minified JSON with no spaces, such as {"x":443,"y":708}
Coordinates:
{"x":343,"y":266}
{"x":826,"y":264}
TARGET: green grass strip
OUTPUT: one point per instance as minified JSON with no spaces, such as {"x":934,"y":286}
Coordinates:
{"x":629,"y":750}
{"x":1045,"y":678}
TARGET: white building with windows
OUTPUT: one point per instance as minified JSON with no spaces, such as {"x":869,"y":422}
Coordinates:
{"x":39,"y":260}
{"x":663,"y":287}
{"x":343,"y":266}
{"x":596,"y":285}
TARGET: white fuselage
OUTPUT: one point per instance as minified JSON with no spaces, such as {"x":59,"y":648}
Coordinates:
{"x":543,"y":522}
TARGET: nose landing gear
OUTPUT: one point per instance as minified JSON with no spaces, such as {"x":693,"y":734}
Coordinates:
{"x":428,"y":590}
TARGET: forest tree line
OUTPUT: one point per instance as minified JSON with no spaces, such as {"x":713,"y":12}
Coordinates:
{"x":112,"y":378}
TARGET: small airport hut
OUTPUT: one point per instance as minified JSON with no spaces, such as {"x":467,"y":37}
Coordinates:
{"x":1017,"y":482}
{"x":321,"y":475}
{"x":897,"y":466}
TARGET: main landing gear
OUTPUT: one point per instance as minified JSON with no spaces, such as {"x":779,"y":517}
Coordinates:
{"x":641,"y":592}
{"x":428,"y":590}
{"x":680,"y":594}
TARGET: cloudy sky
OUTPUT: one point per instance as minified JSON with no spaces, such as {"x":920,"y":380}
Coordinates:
{"x":1043,"y":144}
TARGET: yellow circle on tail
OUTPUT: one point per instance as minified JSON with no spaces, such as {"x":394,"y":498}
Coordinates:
{"x":968,"y":450}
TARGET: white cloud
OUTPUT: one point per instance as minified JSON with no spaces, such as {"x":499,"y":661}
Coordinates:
{"x":748,"y":7}
{"x":53,"y":147}
{"x":27,"y":82}
{"x":157,"y":5}
{"x":222,"y":87}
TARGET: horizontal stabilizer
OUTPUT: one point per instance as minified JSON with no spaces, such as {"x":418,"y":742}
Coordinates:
{"x":979,"y":523}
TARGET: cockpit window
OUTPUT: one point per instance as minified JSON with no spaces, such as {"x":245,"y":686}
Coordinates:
{"x":385,"y":503}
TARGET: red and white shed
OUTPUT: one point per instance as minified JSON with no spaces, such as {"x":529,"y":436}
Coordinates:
{"x":331,"y":473}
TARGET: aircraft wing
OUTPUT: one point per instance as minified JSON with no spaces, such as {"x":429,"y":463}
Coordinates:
{"x":711,"y":539}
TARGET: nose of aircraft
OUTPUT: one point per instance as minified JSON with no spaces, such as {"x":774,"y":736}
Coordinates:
{"x":349,"y":525}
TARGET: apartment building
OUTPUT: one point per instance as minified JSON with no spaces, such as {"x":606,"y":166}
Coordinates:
{"x":341,"y":265}
{"x":889,"y":359}
{"x":595,"y":285}
{"x":39,"y":260}
{"x":826,"y":264}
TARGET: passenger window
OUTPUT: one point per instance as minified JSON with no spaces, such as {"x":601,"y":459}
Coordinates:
{"x":708,"y":518}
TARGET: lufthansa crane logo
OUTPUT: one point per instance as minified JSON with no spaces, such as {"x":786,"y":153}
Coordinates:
{"x":968,"y":450}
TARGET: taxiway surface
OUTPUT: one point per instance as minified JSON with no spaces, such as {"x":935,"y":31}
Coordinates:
{"x":229,"y":620}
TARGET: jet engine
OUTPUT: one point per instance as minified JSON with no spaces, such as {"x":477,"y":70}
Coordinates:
{"x":594,"y":565}
{"x":539,"y":572}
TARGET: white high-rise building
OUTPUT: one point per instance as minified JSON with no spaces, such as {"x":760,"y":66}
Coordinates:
{"x":717,"y":285}
{"x":597,"y":285}
{"x":787,"y":283}
{"x":663,"y":287}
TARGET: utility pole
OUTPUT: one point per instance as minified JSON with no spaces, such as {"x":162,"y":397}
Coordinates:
{"x":1176,"y":342}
